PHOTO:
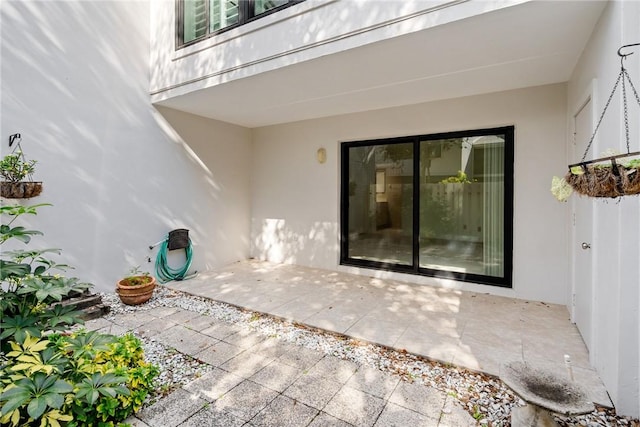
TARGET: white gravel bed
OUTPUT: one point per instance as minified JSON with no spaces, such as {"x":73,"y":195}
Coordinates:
{"x":486,"y":398}
{"x":176,"y":369}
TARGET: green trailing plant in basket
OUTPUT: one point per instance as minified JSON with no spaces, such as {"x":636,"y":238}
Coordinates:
{"x":16,"y":172}
{"x":137,"y":277}
{"x":15,"y":168}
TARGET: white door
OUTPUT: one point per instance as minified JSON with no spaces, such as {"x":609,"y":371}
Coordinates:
{"x":582,"y":234}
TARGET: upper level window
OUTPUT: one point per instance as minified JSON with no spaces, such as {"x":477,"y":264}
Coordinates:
{"x":199,"y":19}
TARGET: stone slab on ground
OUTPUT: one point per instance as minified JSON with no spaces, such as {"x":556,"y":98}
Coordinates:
{"x":374,"y":382}
{"x":172,"y":410}
{"x":355,"y":406}
{"x":276,"y":376}
{"x":245,"y":400}
{"x":185,"y":340}
{"x":213,"y":385}
{"x":396,"y":416}
{"x":285,"y":412}
{"x":209,"y":417}
{"x":325,"y":420}
{"x":218,"y":353}
{"x":313,"y":391}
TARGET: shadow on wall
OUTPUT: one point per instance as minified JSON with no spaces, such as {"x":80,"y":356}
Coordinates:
{"x":288,"y":242}
{"x":119,"y":177}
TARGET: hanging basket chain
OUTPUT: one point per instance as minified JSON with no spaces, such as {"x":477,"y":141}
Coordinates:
{"x":633,"y":88}
{"x":624,"y":77}
{"x":626,"y":109}
{"x":608,"y":176}
{"x":615,"y":86}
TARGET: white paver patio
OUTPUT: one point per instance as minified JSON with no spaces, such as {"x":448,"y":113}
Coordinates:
{"x":477,"y":331}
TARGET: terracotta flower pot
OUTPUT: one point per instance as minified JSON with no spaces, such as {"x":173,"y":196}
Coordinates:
{"x":134,"y":294}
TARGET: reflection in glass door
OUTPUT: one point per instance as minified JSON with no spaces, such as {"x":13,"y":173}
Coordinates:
{"x":380,"y":202}
{"x":462,"y":205}
{"x":437,"y":205}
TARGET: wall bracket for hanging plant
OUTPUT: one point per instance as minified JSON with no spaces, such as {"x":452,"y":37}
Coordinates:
{"x":616,"y":175}
{"x":15,"y":168}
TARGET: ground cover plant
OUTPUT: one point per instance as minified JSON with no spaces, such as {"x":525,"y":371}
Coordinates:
{"x":49,"y":377}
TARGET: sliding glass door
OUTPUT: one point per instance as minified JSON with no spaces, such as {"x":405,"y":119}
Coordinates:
{"x":380,"y":225}
{"x":462,"y":205}
{"x":438,"y":205}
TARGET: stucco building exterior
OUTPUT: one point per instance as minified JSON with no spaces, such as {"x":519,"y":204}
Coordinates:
{"x":140,"y":127}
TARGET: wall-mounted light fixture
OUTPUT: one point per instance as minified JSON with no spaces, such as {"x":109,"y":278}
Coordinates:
{"x":321,"y":155}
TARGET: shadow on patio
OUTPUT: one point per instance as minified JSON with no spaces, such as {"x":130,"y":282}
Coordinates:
{"x":477,"y":331}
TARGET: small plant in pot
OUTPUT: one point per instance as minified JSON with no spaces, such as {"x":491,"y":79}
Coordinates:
{"x":136,"y":288}
{"x":17,"y":173}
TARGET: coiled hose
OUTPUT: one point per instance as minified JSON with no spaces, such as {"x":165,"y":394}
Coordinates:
{"x":164,"y":272}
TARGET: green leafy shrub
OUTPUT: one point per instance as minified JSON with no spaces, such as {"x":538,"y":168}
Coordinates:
{"x":49,"y":377}
{"x":137,"y":277}
{"x":459,"y":178}
{"x":14,"y":167}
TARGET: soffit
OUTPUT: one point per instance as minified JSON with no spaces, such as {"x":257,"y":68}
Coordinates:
{"x":530,"y":44}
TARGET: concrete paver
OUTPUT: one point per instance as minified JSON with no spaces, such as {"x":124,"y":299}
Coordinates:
{"x":153,"y":328}
{"x":221,"y":330}
{"x":276,"y":376}
{"x":300,"y":357}
{"x":171,"y":410}
{"x":355,"y":406}
{"x":185,"y":340}
{"x":453,"y":414}
{"x":472,"y":330}
{"x":246,"y":364}
{"x":209,"y":417}
{"x":245,"y":400}
{"x":333,"y":368}
{"x":325,"y":420}
{"x":285,"y":412}
{"x":397,"y":416}
{"x":374,"y":382}
{"x":199,"y":323}
{"x":214,"y":384}
{"x":424,"y":400}
{"x":133,"y":320}
{"x":182,"y":316}
{"x":260,"y":381}
{"x":313,"y":391}
{"x":244,"y":339}
{"x":218,"y":353}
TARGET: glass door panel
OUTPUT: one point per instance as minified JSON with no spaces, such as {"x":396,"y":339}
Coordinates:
{"x":462,"y":205}
{"x":380,"y":215}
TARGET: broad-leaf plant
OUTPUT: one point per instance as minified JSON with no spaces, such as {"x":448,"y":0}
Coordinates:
{"x":49,"y":374}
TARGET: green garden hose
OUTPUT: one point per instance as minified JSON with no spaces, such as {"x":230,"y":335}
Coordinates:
{"x":164,"y":272}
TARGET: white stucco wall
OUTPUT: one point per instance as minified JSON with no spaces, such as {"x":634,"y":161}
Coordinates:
{"x":615,"y":231}
{"x":75,"y":84}
{"x":295,"y":202}
{"x":313,"y":29}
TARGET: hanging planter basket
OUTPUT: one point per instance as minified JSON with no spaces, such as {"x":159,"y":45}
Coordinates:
{"x":606,"y":177}
{"x":613,"y":176}
{"x":20,"y":190}
{"x":17,"y":172}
